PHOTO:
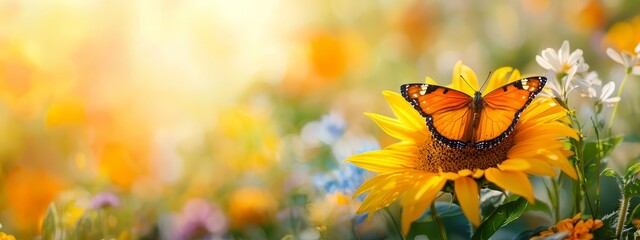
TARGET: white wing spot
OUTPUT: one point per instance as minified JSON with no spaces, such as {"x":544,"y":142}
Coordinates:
{"x":424,"y":89}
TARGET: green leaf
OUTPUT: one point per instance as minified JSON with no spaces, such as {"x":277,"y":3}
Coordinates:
{"x":611,"y":173}
{"x":631,"y":171}
{"x":607,"y":231}
{"x":526,"y":235}
{"x":539,"y":206}
{"x":49,"y":223}
{"x":632,"y":188}
{"x":635,"y":214}
{"x":456,"y":224}
{"x":503,"y":215}
{"x":490,"y":200}
{"x":84,"y":227}
{"x":428,"y":229}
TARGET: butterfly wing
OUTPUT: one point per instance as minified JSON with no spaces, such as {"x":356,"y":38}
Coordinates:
{"x":447,"y":111}
{"x":502,"y":108}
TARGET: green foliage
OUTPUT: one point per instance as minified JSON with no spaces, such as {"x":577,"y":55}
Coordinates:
{"x":457,"y":225}
{"x":539,"y":205}
{"x":611,"y":173}
{"x":629,"y":183}
{"x":632,"y":188}
{"x":503,"y":215}
{"x":525,"y":235}
{"x":631,"y":171}
{"x":491,"y":200}
{"x":635,"y":214}
{"x":85,"y":228}
{"x":608,"y":229}
{"x":49,"y":224}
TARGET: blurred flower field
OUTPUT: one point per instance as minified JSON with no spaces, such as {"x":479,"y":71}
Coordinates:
{"x":245,"y":119}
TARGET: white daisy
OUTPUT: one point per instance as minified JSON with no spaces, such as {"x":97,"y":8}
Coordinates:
{"x":563,"y":60}
{"x":629,"y":60}
{"x":605,"y":95}
{"x":586,"y":84}
{"x":554,"y":90}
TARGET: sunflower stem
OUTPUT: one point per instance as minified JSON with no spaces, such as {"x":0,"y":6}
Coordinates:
{"x":579,"y":163}
{"x":615,"y":107}
{"x":438,"y":221}
{"x":622,"y":215}
{"x":550,"y":195}
{"x":555,"y":199}
{"x":598,"y":164}
{"x":395,"y":224}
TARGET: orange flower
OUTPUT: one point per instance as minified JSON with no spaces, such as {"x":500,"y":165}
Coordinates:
{"x":577,"y":228}
{"x":251,"y":206}
{"x":624,"y":35}
{"x":589,"y":17}
{"x":27,"y":193}
{"x":122,"y":165}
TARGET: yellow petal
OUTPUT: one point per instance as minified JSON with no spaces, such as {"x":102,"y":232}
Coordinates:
{"x":382,"y":161}
{"x":467,"y":194}
{"x":559,"y":160}
{"x":449,"y":175}
{"x":394,"y":128}
{"x":402,"y":147}
{"x":513,"y":181}
{"x":405,"y":112}
{"x":464,"y":79}
{"x":386,"y":192}
{"x":529,"y":165}
{"x":514,"y":164}
{"x":430,"y":81}
{"x":371,"y":183}
{"x":531,"y":149}
{"x":498,"y":79}
{"x":478,"y":173}
{"x":541,"y":168}
{"x":412,"y":210}
{"x":550,"y":131}
{"x":515,"y":75}
{"x":465,"y":172}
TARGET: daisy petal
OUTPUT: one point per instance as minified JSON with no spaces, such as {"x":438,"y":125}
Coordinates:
{"x":615,"y":56}
{"x":543,"y":63}
{"x":467,"y":194}
{"x":513,"y":181}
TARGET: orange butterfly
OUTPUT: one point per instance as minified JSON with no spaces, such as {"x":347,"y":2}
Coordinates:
{"x":457,"y":119}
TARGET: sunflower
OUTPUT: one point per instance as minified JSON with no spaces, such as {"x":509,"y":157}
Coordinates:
{"x":417,"y":168}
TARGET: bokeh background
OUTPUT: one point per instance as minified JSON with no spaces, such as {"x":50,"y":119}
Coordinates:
{"x":238,"y":114}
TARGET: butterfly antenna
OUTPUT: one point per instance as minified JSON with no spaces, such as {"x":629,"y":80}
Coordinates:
{"x":465,"y":81}
{"x":486,"y":80}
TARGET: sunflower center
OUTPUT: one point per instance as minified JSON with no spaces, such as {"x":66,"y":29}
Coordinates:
{"x":435,"y":155}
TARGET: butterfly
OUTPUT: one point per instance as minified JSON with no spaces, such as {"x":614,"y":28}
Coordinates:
{"x":460,"y":120}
